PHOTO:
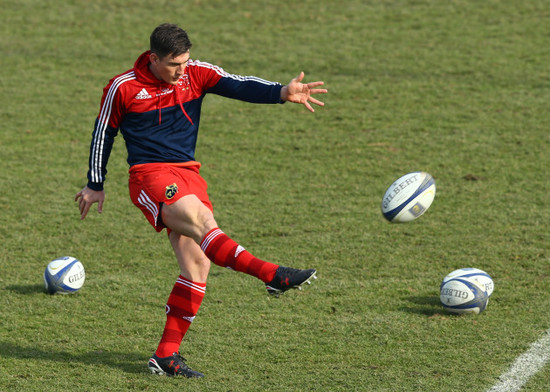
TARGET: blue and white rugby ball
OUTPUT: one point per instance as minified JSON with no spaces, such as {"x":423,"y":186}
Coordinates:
{"x":463,"y":295}
{"x":408,"y":197}
{"x":64,"y":275}
{"x":474,"y":273}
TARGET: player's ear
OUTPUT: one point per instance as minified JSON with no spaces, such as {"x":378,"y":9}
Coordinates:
{"x":154,"y":58}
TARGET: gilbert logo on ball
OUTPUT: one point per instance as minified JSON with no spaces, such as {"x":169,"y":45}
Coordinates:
{"x":408,"y":197}
{"x":463,"y":295}
{"x":473,"y":273}
{"x":64,"y":275}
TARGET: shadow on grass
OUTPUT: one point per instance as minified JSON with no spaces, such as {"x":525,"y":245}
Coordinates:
{"x":27,"y":288}
{"x":426,"y":305}
{"x":128,"y":362}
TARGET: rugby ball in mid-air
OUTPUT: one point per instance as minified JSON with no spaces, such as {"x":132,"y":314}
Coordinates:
{"x":408,"y":197}
{"x":463,"y":295}
{"x":481,"y":276}
{"x":64,"y":275}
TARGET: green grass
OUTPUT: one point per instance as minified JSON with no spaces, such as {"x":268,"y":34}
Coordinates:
{"x":452,"y":88}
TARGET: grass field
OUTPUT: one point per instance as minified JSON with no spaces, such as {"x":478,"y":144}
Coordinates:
{"x":460,"y":89}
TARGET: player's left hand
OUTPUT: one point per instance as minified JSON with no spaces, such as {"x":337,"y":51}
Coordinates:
{"x":299,"y":92}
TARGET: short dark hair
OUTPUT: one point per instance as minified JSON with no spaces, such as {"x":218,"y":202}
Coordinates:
{"x":169,"y":39}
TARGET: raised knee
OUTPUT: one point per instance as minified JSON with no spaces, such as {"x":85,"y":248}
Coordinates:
{"x":190,"y":217}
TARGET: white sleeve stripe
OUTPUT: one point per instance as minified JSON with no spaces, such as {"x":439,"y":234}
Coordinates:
{"x":215,"y":68}
{"x":250,"y":78}
{"x":99,"y":136}
{"x":222,"y":73}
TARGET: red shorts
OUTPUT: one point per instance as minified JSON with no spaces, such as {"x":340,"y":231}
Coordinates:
{"x":153,"y":184}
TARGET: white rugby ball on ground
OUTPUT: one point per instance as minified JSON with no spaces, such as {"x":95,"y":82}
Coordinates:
{"x":463,"y":295}
{"x":64,"y":275}
{"x":408,"y":197}
{"x":481,"y":276}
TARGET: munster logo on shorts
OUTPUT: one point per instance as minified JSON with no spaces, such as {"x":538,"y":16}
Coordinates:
{"x":171,"y":191}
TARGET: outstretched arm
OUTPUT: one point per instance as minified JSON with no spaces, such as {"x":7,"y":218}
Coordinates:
{"x":299,"y":92}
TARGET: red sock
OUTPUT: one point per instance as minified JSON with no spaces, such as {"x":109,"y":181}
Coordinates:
{"x":225,"y":252}
{"x":182,"y":307}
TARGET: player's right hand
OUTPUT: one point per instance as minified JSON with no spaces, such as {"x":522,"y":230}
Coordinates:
{"x":86,"y":197}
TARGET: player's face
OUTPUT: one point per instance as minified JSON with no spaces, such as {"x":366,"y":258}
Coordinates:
{"x":169,"y":69}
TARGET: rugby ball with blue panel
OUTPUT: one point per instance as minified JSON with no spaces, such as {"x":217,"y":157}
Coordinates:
{"x":474,"y":273}
{"x":463,"y":296}
{"x":409,"y":197}
{"x":64,"y":275}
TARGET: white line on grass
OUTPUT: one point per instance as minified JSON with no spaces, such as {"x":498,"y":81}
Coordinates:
{"x":525,"y":366}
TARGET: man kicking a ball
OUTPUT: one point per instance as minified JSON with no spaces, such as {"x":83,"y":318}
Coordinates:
{"x":156,"y":105}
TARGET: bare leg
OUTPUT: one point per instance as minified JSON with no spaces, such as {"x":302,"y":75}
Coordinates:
{"x":188,"y":216}
{"x":193,"y":263}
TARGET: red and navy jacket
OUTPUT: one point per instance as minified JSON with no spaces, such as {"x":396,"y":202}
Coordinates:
{"x":160,"y":121}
